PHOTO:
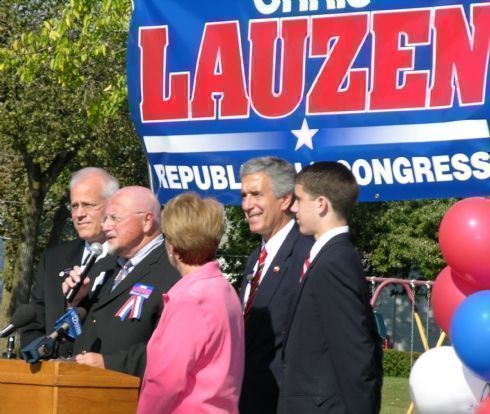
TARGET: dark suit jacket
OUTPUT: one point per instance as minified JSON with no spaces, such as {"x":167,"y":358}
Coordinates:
{"x":47,"y":295}
{"x":123,"y":342}
{"x":267,"y":322}
{"x":332,"y":352}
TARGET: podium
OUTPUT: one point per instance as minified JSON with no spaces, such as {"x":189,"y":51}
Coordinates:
{"x":62,"y":387}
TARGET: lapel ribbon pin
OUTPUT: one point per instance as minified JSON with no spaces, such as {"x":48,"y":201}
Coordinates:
{"x":133,"y":306}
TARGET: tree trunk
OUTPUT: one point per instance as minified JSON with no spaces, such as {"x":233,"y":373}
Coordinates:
{"x":7,"y":287}
{"x":59,"y":221}
{"x":33,"y":211}
{"x":20,"y":282}
{"x":9,"y":265}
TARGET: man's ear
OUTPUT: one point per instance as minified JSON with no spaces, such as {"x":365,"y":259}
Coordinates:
{"x":324,"y":205}
{"x":149,"y":222}
{"x":287,"y":202}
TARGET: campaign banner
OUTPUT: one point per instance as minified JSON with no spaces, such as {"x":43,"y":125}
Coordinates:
{"x":396,"y":90}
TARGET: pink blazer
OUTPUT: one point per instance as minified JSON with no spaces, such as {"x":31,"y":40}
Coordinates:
{"x":195,"y":356}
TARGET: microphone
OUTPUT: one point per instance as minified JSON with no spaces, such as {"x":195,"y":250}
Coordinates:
{"x":21,"y":317}
{"x":69,"y":324}
{"x":95,"y":251}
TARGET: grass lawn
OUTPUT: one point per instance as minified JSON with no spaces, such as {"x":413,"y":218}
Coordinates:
{"x":396,"y":399}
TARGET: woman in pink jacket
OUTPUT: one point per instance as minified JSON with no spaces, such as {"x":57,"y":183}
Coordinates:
{"x":195,"y":355}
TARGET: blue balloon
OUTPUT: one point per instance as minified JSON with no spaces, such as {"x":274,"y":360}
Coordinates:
{"x":470,"y":333}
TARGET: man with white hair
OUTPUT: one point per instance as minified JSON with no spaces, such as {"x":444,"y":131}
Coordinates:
{"x":89,"y":190}
{"x":124,"y":306}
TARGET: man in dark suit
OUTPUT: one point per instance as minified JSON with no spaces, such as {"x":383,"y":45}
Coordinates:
{"x":124,"y":303}
{"x":89,"y":190}
{"x":271,"y":278}
{"x":332,"y":354}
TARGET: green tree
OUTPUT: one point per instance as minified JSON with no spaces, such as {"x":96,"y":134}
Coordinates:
{"x":63,"y":105}
{"x":237,"y":244}
{"x":399,"y":239}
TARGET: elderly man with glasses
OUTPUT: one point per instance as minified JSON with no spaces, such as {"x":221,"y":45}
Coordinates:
{"x":123,"y":293}
{"x":89,"y":190}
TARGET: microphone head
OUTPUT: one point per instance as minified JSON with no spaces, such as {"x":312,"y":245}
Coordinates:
{"x":70,"y":323}
{"x":249,"y":277}
{"x":23,"y":315}
{"x":96,"y":249}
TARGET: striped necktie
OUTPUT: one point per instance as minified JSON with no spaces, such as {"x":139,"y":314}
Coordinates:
{"x":123,"y":272}
{"x":255,"y":281}
{"x":306,"y":265}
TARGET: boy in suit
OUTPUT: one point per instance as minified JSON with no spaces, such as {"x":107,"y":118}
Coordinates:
{"x":332,"y":354}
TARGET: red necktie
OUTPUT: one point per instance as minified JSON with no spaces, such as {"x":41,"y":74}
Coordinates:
{"x":306,"y":265}
{"x":255,"y":280}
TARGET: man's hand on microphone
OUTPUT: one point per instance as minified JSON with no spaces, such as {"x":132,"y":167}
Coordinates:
{"x":70,"y":282}
{"x":90,"y":358}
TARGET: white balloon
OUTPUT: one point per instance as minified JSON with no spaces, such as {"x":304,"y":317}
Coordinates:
{"x":440,"y":383}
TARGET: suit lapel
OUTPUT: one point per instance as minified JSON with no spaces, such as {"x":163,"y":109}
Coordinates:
{"x":275,"y":272}
{"x":77,"y":253}
{"x":105,"y":270}
{"x":136,"y":274}
{"x":249,"y":268}
{"x":336,"y":239}
{"x":72,"y":256}
{"x":333,"y":241}
{"x":272,"y":279}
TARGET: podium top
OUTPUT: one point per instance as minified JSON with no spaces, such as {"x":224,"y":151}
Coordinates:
{"x":63,"y":373}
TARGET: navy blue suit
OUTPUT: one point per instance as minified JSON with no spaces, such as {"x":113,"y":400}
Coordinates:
{"x":332,"y":353}
{"x":267,"y":322}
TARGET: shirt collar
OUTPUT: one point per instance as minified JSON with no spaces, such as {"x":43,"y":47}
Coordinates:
{"x":325,"y":238}
{"x":275,"y":242}
{"x":146,"y":250}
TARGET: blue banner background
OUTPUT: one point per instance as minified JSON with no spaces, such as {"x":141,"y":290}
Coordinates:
{"x":208,"y":141}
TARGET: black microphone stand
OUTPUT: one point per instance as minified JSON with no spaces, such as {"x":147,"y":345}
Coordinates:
{"x":10,"y":354}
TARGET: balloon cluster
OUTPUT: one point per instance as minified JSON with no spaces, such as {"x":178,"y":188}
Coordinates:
{"x":455,"y":379}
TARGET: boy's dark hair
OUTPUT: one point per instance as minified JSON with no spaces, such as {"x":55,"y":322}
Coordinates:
{"x":332,"y":180}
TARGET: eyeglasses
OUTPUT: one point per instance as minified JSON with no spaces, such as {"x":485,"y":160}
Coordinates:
{"x":85,"y":206}
{"x":118,"y":219}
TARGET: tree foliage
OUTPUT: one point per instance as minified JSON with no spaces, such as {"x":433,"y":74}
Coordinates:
{"x":63,"y":105}
{"x":237,"y":244}
{"x":399,"y":239}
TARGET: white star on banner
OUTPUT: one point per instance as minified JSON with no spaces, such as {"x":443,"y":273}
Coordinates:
{"x":304,"y":135}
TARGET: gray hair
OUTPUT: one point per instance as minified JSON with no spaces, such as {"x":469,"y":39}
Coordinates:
{"x":110,"y":183}
{"x":280,"y":172}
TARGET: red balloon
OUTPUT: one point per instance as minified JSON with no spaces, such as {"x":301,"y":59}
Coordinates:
{"x":464,"y":238}
{"x":483,"y":407}
{"x":448,"y":292}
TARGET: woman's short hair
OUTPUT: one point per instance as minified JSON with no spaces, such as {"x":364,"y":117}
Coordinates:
{"x":194,"y":227}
